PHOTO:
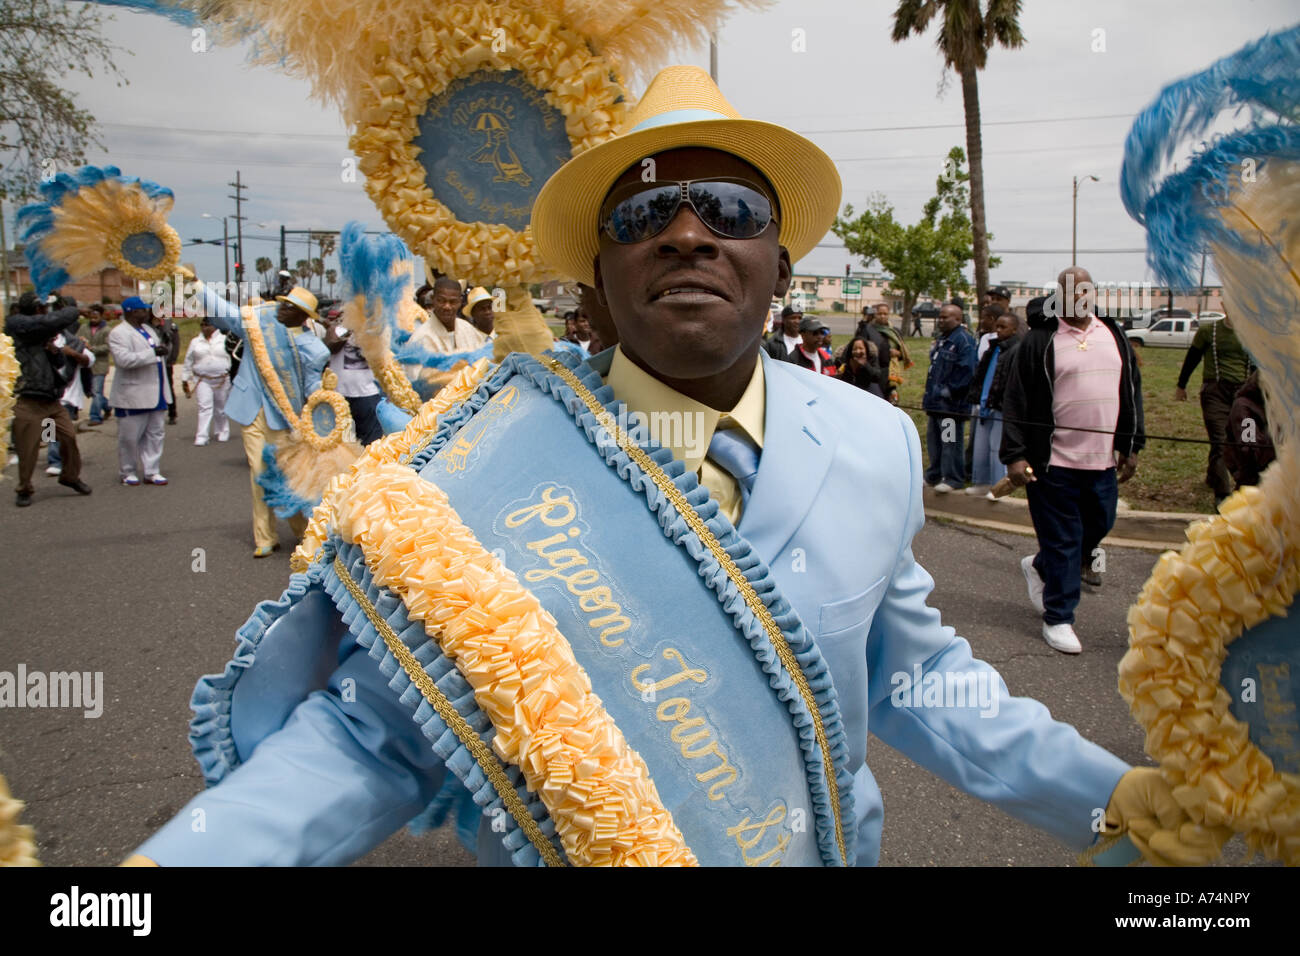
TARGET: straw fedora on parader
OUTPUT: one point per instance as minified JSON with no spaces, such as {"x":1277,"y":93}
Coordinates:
{"x":302,"y":299}
{"x":683,"y":107}
{"x":476,"y":295}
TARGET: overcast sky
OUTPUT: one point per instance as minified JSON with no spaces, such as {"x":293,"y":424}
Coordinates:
{"x":1052,"y":110}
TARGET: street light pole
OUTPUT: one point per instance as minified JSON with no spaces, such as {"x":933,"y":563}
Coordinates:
{"x":1074,"y":228}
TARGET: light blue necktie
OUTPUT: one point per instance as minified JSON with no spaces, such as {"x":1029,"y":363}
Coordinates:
{"x":735,"y":452}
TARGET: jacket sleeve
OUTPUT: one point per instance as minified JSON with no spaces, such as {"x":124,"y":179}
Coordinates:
{"x":187,"y":370}
{"x":1190,"y":361}
{"x":333,"y":783}
{"x":1015,"y":405}
{"x":224,"y":315}
{"x":964,"y":368}
{"x":1008,"y":750}
{"x":37,"y":327}
{"x":1139,"y":416}
{"x":124,"y":356}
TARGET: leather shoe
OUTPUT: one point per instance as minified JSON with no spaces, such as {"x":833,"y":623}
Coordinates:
{"x":79,"y":486}
{"x":24,"y":499}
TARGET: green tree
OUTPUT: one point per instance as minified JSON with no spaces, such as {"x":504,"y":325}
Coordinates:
{"x":42,"y":130}
{"x":317,"y":269}
{"x":967,"y":31}
{"x":331,"y":276}
{"x":928,"y":258}
{"x":264,"y":265}
{"x":302,"y":269}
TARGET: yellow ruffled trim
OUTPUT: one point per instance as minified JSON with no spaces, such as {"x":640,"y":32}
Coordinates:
{"x":171,"y":249}
{"x":301,"y":426}
{"x":1236,"y":570}
{"x":8,"y":382}
{"x":388,"y":450}
{"x":17,"y":842}
{"x":549,"y":722}
{"x":456,"y":40}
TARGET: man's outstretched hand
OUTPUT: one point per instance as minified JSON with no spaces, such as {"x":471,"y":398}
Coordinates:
{"x":1143,"y":805}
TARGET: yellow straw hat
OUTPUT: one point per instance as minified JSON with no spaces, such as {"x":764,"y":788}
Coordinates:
{"x":684,"y":107}
{"x":476,"y":295}
{"x":302,"y":299}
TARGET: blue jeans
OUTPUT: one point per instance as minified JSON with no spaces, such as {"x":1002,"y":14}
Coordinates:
{"x":52,"y":456}
{"x":986,"y":468}
{"x":1073,"y":510}
{"x":98,"y":403}
{"x":947,"y":458}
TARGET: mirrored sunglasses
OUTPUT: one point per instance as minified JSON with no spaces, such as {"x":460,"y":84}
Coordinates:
{"x":731,"y":208}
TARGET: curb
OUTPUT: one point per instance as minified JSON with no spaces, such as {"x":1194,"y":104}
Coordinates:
{"x":1146,"y":530}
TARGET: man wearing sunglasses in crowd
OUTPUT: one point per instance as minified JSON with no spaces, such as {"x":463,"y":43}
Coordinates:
{"x":686,"y":226}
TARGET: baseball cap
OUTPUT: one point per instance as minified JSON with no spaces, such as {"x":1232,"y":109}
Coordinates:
{"x":134,"y":303}
{"x":810,"y":324}
{"x":1001,"y":291}
{"x":790,"y":310}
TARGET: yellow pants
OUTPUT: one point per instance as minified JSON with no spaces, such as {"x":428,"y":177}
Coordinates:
{"x":256,"y":437}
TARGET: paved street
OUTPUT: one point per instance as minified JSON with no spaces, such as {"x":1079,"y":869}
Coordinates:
{"x":108,"y":583}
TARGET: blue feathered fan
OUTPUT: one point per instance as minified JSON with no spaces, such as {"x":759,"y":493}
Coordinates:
{"x":94,"y":219}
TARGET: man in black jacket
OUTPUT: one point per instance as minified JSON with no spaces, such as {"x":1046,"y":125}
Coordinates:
{"x":44,"y":372}
{"x":782,"y":343}
{"x":1073,"y":412}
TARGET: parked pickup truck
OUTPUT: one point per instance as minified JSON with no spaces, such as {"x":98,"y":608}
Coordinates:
{"x":1174,"y":333}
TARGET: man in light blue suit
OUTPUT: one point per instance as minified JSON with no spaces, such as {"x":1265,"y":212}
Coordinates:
{"x":688,"y":286}
{"x":298,"y":357}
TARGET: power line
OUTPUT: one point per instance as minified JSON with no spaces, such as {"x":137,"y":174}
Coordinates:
{"x":962,"y":125}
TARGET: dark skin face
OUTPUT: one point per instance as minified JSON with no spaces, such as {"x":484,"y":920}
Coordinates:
{"x":811,"y":341}
{"x":446,"y":303}
{"x":702,"y":342}
{"x":481,"y":315}
{"x":949,"y":318}
{"x":1005,"y":327}
{"x":136,"y":317}
{"x":290,"y":316}
{"x":790,"y":324}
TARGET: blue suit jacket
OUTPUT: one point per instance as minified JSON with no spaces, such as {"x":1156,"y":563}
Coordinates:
{"x":248,"y":394}
{"x":336,"y":780}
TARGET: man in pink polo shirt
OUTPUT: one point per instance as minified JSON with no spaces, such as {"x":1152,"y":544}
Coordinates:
{"x":1073,"y":413}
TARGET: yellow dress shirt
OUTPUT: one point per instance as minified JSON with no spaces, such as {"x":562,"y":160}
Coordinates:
{"x":693,"y":423}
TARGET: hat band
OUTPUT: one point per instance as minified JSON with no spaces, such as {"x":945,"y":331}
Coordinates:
{"x":672,"y":117}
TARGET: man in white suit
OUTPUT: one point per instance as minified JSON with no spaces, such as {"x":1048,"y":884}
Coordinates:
{"x":688,"y":288}
{"x":141,"y":394}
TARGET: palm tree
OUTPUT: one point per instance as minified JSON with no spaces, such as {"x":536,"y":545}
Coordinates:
{"x":317,"y":269}
{"x":966,"y":34}
{"x":264,"y":265}
{"x":331,"y":276}
{"x":302,"y":268}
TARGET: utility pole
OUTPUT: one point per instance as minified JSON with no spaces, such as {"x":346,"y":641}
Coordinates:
{"x":4,"y":252}
{"x":1074,"y":228}
{"x":225,"y":248}
{"x":284,"y":257}
{"x":238,"y":197}
{"x":713,"y":57}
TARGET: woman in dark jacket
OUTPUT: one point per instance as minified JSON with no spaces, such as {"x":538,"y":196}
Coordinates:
{"x":860,"y":366}
{"x":985,"y":396}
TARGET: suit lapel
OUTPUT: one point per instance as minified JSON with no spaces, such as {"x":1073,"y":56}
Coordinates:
{"x":798,"y":447}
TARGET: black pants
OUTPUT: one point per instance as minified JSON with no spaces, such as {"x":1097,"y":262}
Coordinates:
{"x":364,"y":418}
{"x":171,"y":408}
{"x":1216,"y":403}
{"x":1072,"y":510}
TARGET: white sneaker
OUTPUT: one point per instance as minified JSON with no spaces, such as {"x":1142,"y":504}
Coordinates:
{"x":992,"y":497}
{"x":1034,"y":581}
{"x":978,"y":490}
{"x":942,"y":488}
{"x":223,"y":438}
{"x":54,"y":471}
{"x":1061,"y":637}
{"x":200,"y":444}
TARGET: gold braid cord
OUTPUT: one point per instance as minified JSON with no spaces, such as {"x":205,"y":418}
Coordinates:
{"x":8,"y":380}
